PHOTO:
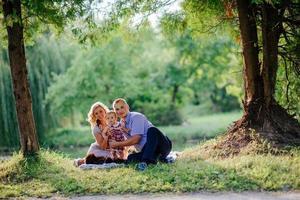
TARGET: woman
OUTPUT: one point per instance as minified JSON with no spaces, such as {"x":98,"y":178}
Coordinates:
{"x":97,"y":120}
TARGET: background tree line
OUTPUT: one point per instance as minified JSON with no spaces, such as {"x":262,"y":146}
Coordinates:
{"x":143,"y":67}
{"x":157,"y":72}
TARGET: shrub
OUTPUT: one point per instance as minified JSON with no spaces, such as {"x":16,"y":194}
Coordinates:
{"x":159,"y":112}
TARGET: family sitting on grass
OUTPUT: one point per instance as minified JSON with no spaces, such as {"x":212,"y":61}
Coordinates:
{"x":114,"y":138}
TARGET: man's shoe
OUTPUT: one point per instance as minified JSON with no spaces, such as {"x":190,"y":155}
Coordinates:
{"x":142,"y":166}
{"x":167,"y":160}
{"x":170,"y":159}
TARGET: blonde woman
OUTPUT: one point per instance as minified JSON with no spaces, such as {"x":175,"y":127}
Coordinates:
{"x":97,"y":120}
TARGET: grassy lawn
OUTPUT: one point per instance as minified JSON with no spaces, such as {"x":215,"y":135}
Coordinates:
{"x":53,"y":173}
{"x":196,"y":129}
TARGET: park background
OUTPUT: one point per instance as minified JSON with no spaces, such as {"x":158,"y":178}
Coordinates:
{"x":183,"y":70}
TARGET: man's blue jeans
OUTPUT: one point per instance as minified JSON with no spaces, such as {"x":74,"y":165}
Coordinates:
{"x":158,"y":146}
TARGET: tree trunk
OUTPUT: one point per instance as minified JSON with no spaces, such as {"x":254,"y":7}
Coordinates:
{"x":13,"y":18}
{"x":271,"y":28}
{"x":253,"y":83}
{"x":262,"y":115}
{"x":278,"y":125}
{"x":174,"y":93}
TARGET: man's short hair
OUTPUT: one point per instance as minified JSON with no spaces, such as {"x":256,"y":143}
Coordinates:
{"x":119,"y":100}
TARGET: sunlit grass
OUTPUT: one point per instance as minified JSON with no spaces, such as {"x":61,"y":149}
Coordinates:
{"x":197,"y":129}
{"x":54,"y":173}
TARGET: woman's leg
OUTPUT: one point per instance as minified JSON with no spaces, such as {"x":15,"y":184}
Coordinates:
{"x":98,"y":152}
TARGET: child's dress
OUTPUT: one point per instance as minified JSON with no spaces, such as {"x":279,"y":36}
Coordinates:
{"x":118,"y":135}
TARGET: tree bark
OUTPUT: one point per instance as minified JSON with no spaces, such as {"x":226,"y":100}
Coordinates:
{"x":261,"y":112}
{"x":271,"y":29}
{"x":252,"y":80}
{"x":13,"y":18}
{"x":253,"y":83}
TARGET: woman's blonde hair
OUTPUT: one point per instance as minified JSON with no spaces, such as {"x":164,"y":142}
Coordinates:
{"x":91,"y":117}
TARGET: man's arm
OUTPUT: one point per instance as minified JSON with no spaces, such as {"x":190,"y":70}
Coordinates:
{"x":130,"y":141}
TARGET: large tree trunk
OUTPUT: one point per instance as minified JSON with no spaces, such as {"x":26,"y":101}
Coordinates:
{"x":262,"y":115}
{"x":278,"y":125}
{"x":253,"y":83}
{"x":13,"y":18}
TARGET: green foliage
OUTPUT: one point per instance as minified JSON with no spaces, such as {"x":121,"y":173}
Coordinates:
{"x":205,"y":17}
{"x":8,"y":123}
{"x":173,"y":25}
{"x":45,"y":59}
{"x":159,"y":112}
{"x":202,"y":65}
{"x":155,"y":76}
{"x":48,"y":56}
{"x":53,"y":173}
{"x":287,"y":91}
{"x":217,"y":62}
{"x":202,"y":61}
{"x":39,"y":16}
{"x":124,"y":66}
{"x":68,"y":138}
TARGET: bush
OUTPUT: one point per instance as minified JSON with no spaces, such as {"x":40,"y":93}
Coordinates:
{"x":165,"y":115}
{"x":158,"y":112}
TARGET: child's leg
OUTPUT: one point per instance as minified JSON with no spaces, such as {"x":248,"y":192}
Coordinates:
{"x":115,"y":155}
{"x":125,"y":153}
{"x":122,"y":154}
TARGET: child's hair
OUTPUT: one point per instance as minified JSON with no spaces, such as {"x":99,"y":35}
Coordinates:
{"x":117,"y":101}
{"x":91,"y":116}
{"x":112,"y":112}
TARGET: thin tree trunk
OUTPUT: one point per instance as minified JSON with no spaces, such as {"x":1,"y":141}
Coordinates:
{"x":174,"y":93}
{"x":13,"y":18}
{"x":270,"y":34}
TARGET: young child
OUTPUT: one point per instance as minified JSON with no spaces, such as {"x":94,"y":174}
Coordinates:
{"x":116,"y":132}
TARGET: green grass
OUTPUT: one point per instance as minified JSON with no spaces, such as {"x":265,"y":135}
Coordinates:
{"x":53,"y":173}
{"x":197,"y":129}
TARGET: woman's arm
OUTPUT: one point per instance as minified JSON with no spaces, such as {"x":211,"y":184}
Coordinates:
{"x":101,"y":137}
{"x":101,"y":140}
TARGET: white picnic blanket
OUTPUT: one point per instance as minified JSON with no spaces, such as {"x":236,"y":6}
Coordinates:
{"x":171,"y":159}
{"x":100,"y":166}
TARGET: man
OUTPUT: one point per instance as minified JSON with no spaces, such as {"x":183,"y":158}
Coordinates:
{"x":151,"y":143}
